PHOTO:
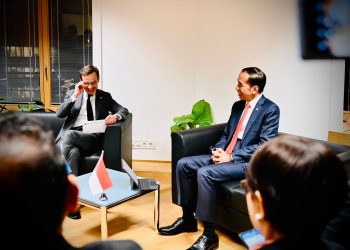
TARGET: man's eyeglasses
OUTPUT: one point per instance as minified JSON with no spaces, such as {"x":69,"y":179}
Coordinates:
{"x":244,"y":185}
{"x":90,"y":83}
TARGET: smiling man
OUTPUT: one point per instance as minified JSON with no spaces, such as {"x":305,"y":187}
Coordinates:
{"x":85,"y":102}
{"x":253,"y":121}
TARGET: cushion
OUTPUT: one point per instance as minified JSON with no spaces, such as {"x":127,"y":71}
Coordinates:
{"x":230,"y":194}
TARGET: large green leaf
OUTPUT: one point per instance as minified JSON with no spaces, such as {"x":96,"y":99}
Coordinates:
{"x":184,"y":119}
{"x":200,"y":117}
{"x":202,"y":113}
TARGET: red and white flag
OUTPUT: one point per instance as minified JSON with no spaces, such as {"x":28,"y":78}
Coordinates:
{"x":99,"y":180}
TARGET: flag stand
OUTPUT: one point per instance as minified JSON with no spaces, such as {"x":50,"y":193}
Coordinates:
{"x":103,"y":197}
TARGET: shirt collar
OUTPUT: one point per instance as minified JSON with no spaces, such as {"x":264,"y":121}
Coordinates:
{"x":254,"y":101}
{"x":86,"y":95}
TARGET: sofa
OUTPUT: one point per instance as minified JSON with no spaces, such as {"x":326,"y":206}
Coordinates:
{"x":231,"y":208}
{"x":117,"y":143}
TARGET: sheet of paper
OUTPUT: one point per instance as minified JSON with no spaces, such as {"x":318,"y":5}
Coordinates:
{"x":96,"y":126}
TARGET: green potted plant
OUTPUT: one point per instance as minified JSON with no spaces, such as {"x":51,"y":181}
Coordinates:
{"x":31,"y":106}
{"x":201,"y":116}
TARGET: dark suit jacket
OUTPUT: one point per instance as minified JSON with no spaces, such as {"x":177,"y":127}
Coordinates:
{"x":261,"y":127}
{"x":104,"y":103}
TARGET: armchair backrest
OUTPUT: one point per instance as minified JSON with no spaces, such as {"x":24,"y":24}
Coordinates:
{"x":192,"y":142}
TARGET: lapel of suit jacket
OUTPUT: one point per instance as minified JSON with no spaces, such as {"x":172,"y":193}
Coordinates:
{"x":254,"y":115}
{"x":98,"y":104}
{"x":77,"y":106}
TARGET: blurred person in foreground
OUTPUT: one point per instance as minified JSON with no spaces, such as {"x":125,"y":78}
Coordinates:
{"x":294,"y":187}
{"x":35,"y":189}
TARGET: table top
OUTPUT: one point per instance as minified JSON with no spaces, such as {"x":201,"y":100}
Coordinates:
{"x":119,"y":192}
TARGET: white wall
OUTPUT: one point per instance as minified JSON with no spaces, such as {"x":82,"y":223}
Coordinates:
{"x":158,"y":57}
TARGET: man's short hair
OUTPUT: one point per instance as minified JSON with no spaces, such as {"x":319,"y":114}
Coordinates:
{"x":256,"y":77}
{"x":89,"y":69}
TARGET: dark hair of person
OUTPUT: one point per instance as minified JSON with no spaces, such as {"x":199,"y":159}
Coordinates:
{"x":33,"y":179}
{"x":256,"y":77}
{"x":303,"y":184}
{"x":14,"y":123}
{"x":89,"y":69}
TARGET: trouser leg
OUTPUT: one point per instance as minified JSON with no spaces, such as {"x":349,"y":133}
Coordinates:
{"x":72,"y":157}
{"x":207,"y":178}
{"x":186,"y":170}
{"x":75,"y":144}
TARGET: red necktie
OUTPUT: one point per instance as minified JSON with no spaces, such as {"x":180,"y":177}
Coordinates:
{"x":232,"y":144}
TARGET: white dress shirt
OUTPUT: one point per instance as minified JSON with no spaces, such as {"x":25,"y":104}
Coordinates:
{"x":82,"y":117}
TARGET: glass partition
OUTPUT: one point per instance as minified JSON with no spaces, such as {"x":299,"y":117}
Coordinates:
{"x":43,"y":44}
{"x":70,"y":43}
{"x":19,"y":58}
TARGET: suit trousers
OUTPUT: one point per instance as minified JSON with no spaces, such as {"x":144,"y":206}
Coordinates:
{"x":197,"y":177}
{"x":75,"y":144}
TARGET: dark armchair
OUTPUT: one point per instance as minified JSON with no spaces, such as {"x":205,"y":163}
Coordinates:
{"x":117,"y":142}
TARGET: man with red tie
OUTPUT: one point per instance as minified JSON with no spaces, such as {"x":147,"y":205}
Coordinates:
{"x":253,"y":121}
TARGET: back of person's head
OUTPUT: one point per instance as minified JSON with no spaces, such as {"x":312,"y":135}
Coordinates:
{"x":21,"y":124}
{"x":256,"y":77}
{"x":89,"y":69}
{"x":33,"y":180}
{"x":302,"y":185}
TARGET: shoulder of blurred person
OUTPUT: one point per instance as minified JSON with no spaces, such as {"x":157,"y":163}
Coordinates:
{"x":113,"y":244}
{"x":336,"y":233}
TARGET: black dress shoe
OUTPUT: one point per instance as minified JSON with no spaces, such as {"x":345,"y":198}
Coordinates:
{"x":205,"y":243}
{"x":74,"y":215}
{"x":179,"y":226}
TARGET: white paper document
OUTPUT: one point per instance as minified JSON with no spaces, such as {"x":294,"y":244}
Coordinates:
{"x":96,"y":126}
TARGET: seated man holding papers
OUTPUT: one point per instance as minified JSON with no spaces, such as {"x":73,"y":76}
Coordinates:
{"x":84,"y":107}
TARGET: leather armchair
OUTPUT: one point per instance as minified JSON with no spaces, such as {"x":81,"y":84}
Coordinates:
{"x":231,"y":207}
{"x":117,"y":143}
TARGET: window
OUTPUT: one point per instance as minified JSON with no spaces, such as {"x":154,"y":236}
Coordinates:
{"x":43,"y":44}
{"x":347,"y":86}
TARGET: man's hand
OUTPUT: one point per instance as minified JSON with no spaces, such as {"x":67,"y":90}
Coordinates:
{"x":111,"y":119}
{"x":79,"y":88}
{"x":220,"y":156}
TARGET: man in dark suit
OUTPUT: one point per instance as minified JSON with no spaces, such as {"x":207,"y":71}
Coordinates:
{"x":254,"y":120}
{"x":36,"y":188}
{"x":85,"y":102}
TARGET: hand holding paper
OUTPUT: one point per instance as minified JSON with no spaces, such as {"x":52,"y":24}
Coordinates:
{"x":111,"y":119}
{"x":96,"y":126}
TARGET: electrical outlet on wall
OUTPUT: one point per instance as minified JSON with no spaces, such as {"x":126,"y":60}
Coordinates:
{"x":147,"y":144}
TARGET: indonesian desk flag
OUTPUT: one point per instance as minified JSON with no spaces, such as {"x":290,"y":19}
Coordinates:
{"x":99,"y":180}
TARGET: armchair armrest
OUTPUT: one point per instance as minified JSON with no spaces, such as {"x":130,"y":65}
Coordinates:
{"x":117,"y":144}
{"x":192,"y":142}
